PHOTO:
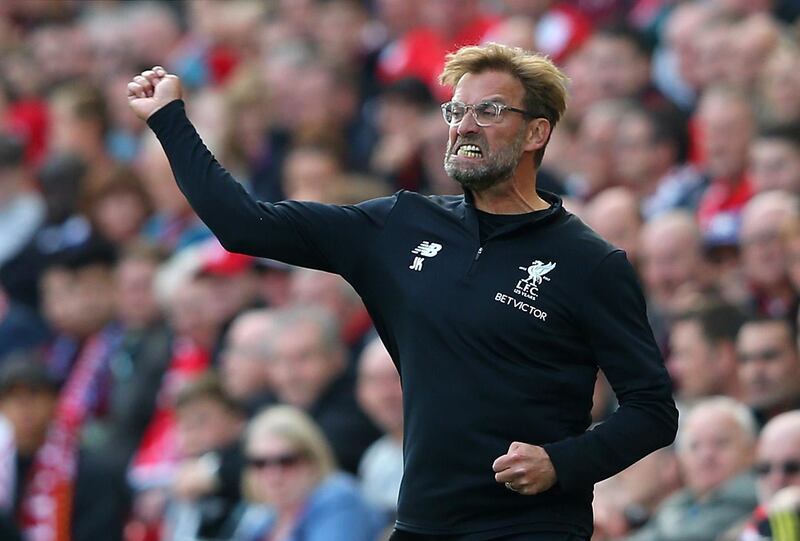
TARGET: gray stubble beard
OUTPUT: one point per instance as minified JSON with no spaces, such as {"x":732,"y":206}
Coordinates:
{"x":495,"y":169}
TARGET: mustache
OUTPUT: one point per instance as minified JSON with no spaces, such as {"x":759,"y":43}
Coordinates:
{"x":467,"y":139}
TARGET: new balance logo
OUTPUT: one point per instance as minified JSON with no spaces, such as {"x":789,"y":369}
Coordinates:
{"x":425,"y":249}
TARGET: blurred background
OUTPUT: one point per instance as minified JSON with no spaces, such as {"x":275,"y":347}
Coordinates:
{"x":155,"y":387}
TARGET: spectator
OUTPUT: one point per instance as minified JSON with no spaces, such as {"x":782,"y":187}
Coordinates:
{"x":671,"y":260}
{"x":308,"y":369}
{"x":233,"y":282}
{"x":52,"y":469}
{"x":778,"y":87}
{"x":595,"y":140}
{"x":791,"y":245}
{"x":619,"y":59}
{"x":196,"y":331}
{"x":561,"y":28}
{"x":79,"y":126}
{"x":775,"y":159}
{"x":757,"y":35}
{"x":119,"y":208}
{"x":702,"y":361}
{"x":777,"y":465}
{"x":763,"y":260}
{"x":274,"y":280}
{"x":64,"y":228}
{"x":625,"y":502}
{"x":78,"y":302}
{"x":291,"y":469}
{"x":402,"y":109}
{"x":614,"y":215}
{"x":714,"y":48}
{"x":307,"y":172}
{"x":715,"y":451}
{"x":420,"y":51}
{"x":173,"y":225}
{"x":676,"y":71}
{"x":206,"y":487}
{"x":725,"y":121}
{"x":314,"y":288}
{"x":769,"y":366}
{"x":244,"y":371}
{"x":381,"y":397}
{"x":652,"y":148}
{"x":21,"y":209}
{"x":138,"y":364}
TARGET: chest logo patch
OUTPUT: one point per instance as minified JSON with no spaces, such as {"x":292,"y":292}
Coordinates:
{"x":426,"y":249}
{"x":528,"y":287}
{"x":537,"y":273}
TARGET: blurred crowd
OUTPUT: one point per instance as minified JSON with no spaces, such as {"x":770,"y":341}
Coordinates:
{"x":154,"y":387}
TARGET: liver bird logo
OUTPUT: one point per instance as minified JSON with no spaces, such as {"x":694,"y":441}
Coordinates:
{"x":536,"y":273}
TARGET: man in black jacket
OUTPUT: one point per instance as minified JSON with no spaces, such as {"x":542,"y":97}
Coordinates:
{"x":497,"y":307}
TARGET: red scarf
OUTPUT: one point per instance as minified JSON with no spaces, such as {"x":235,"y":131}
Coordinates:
{"x":157,"y":456}
{"x":46,"y":509}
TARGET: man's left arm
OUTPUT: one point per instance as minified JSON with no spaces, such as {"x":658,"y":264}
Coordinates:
{"x":614,"y":318}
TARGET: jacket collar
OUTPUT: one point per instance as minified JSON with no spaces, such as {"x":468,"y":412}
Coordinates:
{"x":469,"y":214}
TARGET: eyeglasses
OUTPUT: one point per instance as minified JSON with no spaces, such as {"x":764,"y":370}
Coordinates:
{"x":282,"y":461}
{"x":790,"y":467}
{"x":485,"y":113}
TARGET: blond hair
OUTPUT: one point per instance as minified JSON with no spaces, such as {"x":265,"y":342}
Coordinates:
{"x":545,"y":85}
{"x":300,"y":431}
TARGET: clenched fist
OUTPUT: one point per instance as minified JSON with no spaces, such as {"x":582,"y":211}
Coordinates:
{"x":525,"y":469}
{"x":151,"y":90}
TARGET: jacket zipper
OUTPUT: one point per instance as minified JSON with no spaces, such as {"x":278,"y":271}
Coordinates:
{"x":474,"y":263}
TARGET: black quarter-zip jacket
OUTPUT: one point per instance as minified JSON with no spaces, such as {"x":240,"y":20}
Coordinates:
{"x":495,"y":343}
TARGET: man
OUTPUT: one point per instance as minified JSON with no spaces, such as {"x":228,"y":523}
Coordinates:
{"x":764,"y":218}
{"x":672,"y":264}
{"x":206,"y":486}
{"x":650,"y":158}
{"x":769,"y":366}
{"x":380,"y":395}
{"x":724,"y":117}
{"x":308,"y":370}
{"x":715,"y":452}
{"x":614,"y":215}
{"x":775,"y":159}
{"x":702,"y":358}
{"x":21,"y":209}
{"x":244,"y":370}
{"x":619,"y":60}
{"x":777,"y":465}
{"x":498,"y":307}
{"x":31,"y":402}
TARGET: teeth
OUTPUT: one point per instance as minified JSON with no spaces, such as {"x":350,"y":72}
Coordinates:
{"x":469,"y":151}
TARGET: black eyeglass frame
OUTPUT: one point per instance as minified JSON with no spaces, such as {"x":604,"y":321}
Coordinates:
{"x":286,"y":460}
{"x":787,"y":468}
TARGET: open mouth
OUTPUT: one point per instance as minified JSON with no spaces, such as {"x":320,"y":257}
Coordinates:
{"x":469,"y":151}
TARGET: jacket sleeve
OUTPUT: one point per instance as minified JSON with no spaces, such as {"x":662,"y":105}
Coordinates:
{"x":613,"y":317}
{"x":325,"y":237}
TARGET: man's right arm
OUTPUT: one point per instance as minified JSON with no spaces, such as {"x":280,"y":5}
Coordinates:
{"x":305,"y":234}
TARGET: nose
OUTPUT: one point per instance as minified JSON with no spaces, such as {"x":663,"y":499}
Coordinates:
{"x":468,"y":124}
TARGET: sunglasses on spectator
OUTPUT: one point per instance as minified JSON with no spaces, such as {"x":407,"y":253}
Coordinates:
{"x":282,"y":461}
{"x":790,"y":467}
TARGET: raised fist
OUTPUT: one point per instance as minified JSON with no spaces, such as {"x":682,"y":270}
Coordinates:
{"x":151,"y":90}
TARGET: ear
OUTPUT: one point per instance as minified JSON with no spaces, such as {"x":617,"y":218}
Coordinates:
{"x":537,"y":134}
